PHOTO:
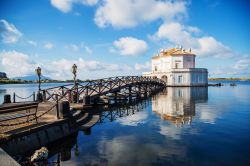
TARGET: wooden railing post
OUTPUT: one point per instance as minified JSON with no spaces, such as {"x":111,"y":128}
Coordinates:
{"x":69,"y":96}
{"x":77,"y":94}
{"x":44,"y":96}
{"x":57,"y":108}
{"x":34,"y":96}
{"x":62,"y":90}
{"x":14,"y":97}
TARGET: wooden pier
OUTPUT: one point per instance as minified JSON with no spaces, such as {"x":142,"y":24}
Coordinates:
{"x":80,"y":96}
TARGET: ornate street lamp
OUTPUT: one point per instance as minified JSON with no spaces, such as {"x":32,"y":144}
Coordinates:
{"x":39,"y":73}
{"x":74,"y":71}
{"x":75,"y":95}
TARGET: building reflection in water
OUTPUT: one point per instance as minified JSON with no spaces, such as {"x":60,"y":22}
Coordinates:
{"x":177,"y":104}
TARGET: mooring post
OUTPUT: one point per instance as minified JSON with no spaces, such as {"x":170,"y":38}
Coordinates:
{"x":7,"y":99}
{"x":57,"y":107}
{"x":64,"y":109}
{"x":87,"y":99}
{"x":34,"y":96}
{"x":44,"y":95}
{"x":39,"y":96}
{"x":14,"y":97}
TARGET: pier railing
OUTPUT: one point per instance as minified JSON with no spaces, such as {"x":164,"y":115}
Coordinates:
{"x":92,"y":88}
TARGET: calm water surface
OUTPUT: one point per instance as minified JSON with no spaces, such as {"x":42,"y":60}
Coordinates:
{"x":180,"y":126}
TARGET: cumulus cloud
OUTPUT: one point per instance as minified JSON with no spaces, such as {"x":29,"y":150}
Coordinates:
{"x":130,"y":13}
{"x":31,"y":42}
{"x":66,"y":5}
{"x":240,"y":67}
{"x":78,"y":47}
{"x":8,"y":32}
{"x":143,"y":67}
{"x":16,"y":63}
{"x":242,"y":64}
{"x":60,"y":68}
{"x":129,"y":46}
{"x":186,"y":36}
{"x":72,"y":47}
{"x":48,"y":45}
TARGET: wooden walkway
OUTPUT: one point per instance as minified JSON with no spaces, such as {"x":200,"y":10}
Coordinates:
{"x":82,"y":95}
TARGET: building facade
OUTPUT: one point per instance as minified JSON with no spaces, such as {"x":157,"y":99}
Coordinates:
{"x":176,"y":67}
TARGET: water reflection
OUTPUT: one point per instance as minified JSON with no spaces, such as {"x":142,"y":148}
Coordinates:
{"x":146,"y":134}
{"x":177,"y":105}
{"x":59,"y":151}
{"x":130,"y":114}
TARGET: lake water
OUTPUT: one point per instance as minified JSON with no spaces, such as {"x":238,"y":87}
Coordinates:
{"x":179,"y":126}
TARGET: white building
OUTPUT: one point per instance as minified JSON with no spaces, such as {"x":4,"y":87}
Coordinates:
{"x":176,"y":67}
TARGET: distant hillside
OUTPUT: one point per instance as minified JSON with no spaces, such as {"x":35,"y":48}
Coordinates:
{"x":32,"y":78}
{"x":3,"y":75}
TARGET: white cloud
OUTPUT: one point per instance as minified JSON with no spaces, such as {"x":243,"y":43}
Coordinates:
{"x":129,"y":46}
{"x":63,"y":5}
{"x":240,"y":67}
{"x":16,"y":63}
{"x":242,"y":64}
{"x":48,"y":45}
{"x":86,"y":48}
{"x":175,"y":33}
{"x":133,"y":120}
{"x":130,"y":13}
{"x":66,"y":5}
{"x":78,"y":47}
{"x":32,"y":42}
{"x":143,"y":67}
{"x":90,"y":2}
{"x":186,"y":36}
{"x":170,"y":131}
{"x":209,"y":46}
{"x":60,"y":68}
{"x":72,"y":47}
{"x":9,"y":33}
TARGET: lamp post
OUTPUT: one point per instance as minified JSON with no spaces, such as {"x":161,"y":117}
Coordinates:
{"x":39,"y":73}
{"x":74,"y":70}
{"x":75,"y":95}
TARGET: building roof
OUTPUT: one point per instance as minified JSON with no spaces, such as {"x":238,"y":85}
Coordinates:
{"x":173,"y":52}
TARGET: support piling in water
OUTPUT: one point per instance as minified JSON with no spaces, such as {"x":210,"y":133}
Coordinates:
{"x":7,"y":99}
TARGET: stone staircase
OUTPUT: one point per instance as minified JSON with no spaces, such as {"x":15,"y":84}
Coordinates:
{"x":85,"y":120}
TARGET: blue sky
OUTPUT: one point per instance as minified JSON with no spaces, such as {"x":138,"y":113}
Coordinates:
{"x":119,"y":37}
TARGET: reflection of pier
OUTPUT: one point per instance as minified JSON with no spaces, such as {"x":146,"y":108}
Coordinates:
{"x":113,"y":112}
{"x":177,"y":105}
